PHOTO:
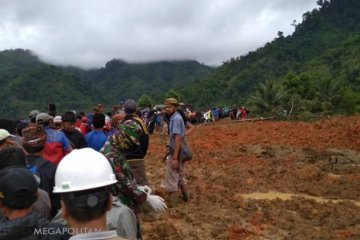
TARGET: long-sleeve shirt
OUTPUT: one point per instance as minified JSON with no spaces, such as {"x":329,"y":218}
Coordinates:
{"x":126,"y":187}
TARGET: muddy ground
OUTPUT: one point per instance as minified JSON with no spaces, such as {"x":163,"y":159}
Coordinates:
{"x":319,"y":163}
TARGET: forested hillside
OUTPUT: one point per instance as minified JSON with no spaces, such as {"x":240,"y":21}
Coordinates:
{"x":119,"y":80}
{"x":27,"y":83}
{"x":316,"y":69}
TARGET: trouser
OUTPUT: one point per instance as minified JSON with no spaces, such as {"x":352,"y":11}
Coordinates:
{"x":151,"y":127}
{"x":174,"y":178}
{"x":137,"y":167}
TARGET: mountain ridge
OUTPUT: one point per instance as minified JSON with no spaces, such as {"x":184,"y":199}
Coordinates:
{"x":28,"y":83}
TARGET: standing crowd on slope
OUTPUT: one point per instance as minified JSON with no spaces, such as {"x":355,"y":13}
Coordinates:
{"x":73,"y":176}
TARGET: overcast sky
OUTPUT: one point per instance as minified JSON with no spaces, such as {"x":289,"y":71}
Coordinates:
{"x":88,"y":33}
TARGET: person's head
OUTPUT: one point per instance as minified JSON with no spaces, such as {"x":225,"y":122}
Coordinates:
{"x":116,"y":119}
{"x":12,"y":156}
{"x":18,"y":188}
{"x":19,"y":127}
{"x":57,"y":122}
{"x":84,"y":178}
{"x":85,"y":121}
{"x":52,"y":109}
{"x":4,"y":136}
{"x":115,"y":109}
{"x":96,"y":110}
{"x":171,"y":105}
{"x":32,"y":115}
{"x":130,"y":106}
{"x":99,"y":120}
{"x":78,"y":117}
{"x":69,"y":119}
{"x":34,"y":139}
{"x":43,"y":119}
{"x":100,"y":107}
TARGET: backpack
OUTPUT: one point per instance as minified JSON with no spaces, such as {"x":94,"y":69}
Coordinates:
{"x":185,"y":152}
{"x":144,"y":137}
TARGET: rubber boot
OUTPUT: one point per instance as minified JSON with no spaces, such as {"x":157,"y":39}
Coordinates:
{"x":185,"y":193}
{"x":172,"y":200}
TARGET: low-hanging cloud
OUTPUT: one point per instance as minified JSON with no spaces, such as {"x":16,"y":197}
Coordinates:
{"x":88,"y":33}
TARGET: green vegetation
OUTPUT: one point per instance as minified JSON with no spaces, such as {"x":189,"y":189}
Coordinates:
{"x":145,"y":101}
{"x":318,"y":66}
{"x":172,"y":93}
{"x":120,"y":81}
{"x":316,"y":70}
{"x":267,"y":98}
{"x":29,"y":84}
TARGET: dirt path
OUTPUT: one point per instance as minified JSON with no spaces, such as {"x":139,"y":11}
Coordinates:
{"x":311,"y":161}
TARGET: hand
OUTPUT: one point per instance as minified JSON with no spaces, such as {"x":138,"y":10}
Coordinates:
{"x":157,"y":203}
{"x":146,"y":189}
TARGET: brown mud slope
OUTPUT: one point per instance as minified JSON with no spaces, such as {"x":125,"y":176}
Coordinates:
{"x":305,"y":176}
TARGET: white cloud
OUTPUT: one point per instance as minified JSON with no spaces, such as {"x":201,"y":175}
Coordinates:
{"x":88,"y":33}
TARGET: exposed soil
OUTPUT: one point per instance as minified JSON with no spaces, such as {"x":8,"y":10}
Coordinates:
{"x":319,"y":159}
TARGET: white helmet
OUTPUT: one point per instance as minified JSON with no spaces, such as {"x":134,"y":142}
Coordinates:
{"x":83,"y":169}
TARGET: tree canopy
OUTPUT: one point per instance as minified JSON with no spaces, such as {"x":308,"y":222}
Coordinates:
{"x":318,"y":65}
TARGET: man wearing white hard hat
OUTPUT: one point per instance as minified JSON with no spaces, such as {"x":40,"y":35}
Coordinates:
{"x":84,"y":178}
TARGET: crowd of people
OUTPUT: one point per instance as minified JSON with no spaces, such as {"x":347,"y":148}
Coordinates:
{"x":77,"y":176}
{"x":216,"y":114}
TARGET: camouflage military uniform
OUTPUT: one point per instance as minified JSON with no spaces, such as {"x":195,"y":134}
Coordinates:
{"x":126,"y":187}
